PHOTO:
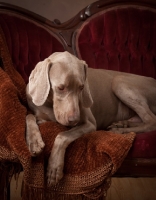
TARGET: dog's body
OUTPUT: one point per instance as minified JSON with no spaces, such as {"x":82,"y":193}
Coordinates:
{"x":62,"y":89}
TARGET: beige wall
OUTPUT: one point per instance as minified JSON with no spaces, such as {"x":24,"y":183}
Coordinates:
{"x":52,"y":9}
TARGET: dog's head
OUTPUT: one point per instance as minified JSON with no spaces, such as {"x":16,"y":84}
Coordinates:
{"x":66,"y":76}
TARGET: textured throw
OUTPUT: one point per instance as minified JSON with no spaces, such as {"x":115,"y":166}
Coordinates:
{"x":90,"y":161}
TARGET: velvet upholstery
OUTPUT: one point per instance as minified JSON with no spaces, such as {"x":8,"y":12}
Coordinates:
{"x":28,"y":43}
{"x":122,"y":39}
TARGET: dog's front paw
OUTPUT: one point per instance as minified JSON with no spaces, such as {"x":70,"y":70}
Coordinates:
{"x":54,"y":172}
{"x":35,"y":143}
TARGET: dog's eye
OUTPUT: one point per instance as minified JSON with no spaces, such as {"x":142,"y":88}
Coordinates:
{"x":81,"y":87}
{"x":61,"y":87}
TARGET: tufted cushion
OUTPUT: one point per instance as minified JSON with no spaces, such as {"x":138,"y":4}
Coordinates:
{"x":28,"y":43}
{"x":122,"y":39}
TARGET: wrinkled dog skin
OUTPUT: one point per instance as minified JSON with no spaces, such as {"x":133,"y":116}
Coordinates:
{"x":62,"y":88}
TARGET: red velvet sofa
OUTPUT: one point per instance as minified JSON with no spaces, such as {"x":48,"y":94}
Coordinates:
{"x":110,"y":34}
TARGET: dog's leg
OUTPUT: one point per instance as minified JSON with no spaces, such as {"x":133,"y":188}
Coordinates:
{"x":56,"y":159}
{"x":33,"y":136}
{"x":134,"y":99}
{"x":149,"y":124}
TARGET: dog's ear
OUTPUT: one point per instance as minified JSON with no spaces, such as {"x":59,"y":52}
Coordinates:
{"x":87,"y":100}
{"x":39,"y":84}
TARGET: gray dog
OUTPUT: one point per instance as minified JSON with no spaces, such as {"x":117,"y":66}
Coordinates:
{"x":61,"y":88}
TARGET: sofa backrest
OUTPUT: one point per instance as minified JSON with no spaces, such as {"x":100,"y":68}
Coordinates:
{"x":28,"y":41}
{"x":120,"y":37}
{"x":109,"y":34}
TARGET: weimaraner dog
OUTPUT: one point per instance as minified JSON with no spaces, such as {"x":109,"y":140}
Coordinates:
{"x":61,"y":88}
